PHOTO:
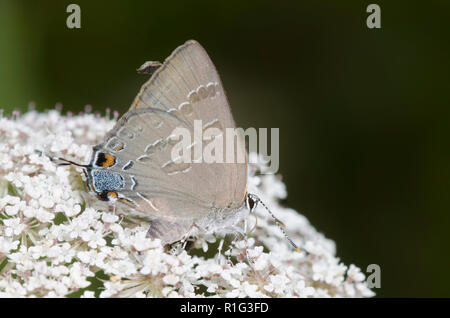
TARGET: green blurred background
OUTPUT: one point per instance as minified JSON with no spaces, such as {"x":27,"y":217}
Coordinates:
{"x":363,"y":113}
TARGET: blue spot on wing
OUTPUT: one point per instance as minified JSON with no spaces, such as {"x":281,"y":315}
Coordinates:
{"x":107,"y":181}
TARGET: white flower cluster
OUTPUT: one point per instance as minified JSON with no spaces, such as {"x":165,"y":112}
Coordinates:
{"x":57,"y":240}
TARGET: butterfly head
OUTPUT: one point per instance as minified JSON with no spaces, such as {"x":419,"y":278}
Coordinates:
{"x":251,"y":201}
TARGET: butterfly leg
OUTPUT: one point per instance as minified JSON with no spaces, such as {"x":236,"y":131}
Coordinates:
{"x":243,"y":232}
{"x":246,"y":243}
{"x":219,"y":250}
{"x":230,"y":250}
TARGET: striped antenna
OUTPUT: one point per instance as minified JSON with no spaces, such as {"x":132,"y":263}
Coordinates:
{"x":61,"y":161}
{"x":280,"y":224}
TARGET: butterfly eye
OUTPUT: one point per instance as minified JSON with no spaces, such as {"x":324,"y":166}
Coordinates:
{"x":251,"y":203}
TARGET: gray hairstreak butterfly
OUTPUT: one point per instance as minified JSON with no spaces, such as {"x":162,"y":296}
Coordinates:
{"x":134,"y":164}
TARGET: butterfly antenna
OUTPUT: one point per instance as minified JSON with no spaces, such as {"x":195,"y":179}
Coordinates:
{"x":62,"y":161}
{"x":278,"y":223}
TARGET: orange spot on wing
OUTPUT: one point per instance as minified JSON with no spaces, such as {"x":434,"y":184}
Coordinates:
{"x":109,"y":161}
{"x":112,"y":194}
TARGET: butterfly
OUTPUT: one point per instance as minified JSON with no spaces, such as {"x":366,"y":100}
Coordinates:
{"x":134,"y":164}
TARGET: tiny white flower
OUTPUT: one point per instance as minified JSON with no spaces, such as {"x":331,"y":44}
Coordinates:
{"x":12,"y":210}
{"x":46,"y":202}
{"x":88,"y":294}
{"x":14,"y":226}
{"x":170,"y":279}
{"x":109,"y":217}
{"x":44,"y":216}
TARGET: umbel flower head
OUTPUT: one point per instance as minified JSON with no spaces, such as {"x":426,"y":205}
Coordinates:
{"x":57,"y":240}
